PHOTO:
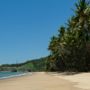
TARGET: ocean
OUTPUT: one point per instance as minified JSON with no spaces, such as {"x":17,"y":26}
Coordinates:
{"x":4,"y":75}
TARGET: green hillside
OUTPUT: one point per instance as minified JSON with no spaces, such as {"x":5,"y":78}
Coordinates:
{"x":31,"y":65}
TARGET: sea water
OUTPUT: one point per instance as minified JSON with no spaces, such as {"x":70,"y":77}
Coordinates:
{"x":6,"y":74}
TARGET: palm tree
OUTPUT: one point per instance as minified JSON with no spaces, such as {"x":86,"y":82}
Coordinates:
{"x":69,"y":46}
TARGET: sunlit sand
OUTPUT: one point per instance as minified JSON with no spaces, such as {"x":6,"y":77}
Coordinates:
{"x":38,"y":81}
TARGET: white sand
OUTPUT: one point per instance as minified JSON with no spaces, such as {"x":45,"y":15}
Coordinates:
{"x":37,"y":81}
{"x":82,"y":80}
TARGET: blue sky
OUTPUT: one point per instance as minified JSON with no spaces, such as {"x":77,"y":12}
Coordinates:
{"x":26,"y":27}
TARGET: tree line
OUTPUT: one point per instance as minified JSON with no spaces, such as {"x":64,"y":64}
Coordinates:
{"x":70,"y":49}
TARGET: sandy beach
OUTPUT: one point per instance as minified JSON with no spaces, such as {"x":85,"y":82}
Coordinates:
{"x":38,"y":81}
{"x":82,"y":80}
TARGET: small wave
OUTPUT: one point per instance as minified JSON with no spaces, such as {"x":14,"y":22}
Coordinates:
{"x":12,"y":76}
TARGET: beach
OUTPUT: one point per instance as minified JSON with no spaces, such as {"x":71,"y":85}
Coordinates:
{"x":82,"y":80}
{"x":40,"y":81}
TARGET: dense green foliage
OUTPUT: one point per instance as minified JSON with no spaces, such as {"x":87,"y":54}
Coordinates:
{"x":31,"y":65}
{"x":70,"y":49}
{"x":34,"y":65}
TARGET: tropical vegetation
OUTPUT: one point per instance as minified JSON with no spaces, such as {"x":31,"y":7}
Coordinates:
{"x":28,"y":66}
{"x":70,"y":49}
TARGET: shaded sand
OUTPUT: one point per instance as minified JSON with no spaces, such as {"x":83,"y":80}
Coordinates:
{"x":37,"y":81}
{"x":82,"y":80}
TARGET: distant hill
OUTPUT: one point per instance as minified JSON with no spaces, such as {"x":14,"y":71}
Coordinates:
{"x":31,"y":65}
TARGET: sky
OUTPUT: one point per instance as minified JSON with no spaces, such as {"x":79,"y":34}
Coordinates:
{"x":26,"y":27}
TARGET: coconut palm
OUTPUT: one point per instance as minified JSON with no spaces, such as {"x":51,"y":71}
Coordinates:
{"x":69,"y":48}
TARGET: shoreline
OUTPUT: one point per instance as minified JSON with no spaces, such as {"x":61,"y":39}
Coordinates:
{"x":14,"y":76}
{"x":37,"y":81}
